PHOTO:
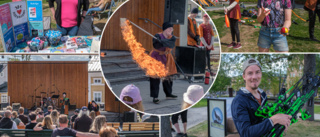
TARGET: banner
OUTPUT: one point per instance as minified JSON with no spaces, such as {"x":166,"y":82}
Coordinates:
{"x":8,"y":39}
{"x":34,"y":10}
{"x":21,"y":34}
{"x":36,"y":28}
{"x":18,"y":12}
{"x":217,"y":117}
{"x":5,"y":18}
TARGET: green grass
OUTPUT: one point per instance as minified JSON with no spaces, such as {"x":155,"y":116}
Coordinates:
{"x":201,"y":103}
{"x":317,"y":109}
{"x":298,"y":40}
{"x":4,"y":1}
{"x":299,"y":129}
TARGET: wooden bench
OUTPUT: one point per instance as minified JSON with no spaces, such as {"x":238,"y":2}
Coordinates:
{"x":136,"y":126}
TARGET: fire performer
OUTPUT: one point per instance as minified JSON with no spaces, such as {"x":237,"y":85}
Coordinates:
{"x":65,"y":104}
{"x":313,"y":7}
{"x":162,"y":47}
{"x":193,"y":33}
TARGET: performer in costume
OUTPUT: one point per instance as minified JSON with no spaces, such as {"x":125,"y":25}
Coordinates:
{"x":65,"y":104}
{"x":313,"y":7}
{"x":93,"y":106}
{"x":162,"y":52}
{"x":193,"y":33}
{"x":234,"y":14}
{"x":206,"y":37}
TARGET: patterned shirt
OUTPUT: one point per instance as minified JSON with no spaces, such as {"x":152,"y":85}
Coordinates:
{"x":277,"y":15}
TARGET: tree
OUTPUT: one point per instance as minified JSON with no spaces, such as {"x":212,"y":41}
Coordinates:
{"x":310,"y":69}
{"x":165,"y":126}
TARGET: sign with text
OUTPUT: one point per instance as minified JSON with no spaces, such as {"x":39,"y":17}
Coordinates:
{"x":217,"y":117}
{"x":8,"y":40}
{"x":34,"y":10}
{"x":18,"y":12}
{"x":5,"y":18}
{"x":21,"y":33}
{"x":36,"y":28}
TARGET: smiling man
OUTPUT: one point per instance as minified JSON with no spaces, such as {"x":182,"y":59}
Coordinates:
{"x":248,"y":100}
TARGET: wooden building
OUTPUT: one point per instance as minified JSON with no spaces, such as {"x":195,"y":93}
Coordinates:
{"x":135,"y":10}
{"x":27,"y":79}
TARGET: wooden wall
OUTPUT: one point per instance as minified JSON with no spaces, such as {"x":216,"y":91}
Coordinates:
{"x":111,"y":104}
{"x":133,"y":10}
{"x":70,"y":77}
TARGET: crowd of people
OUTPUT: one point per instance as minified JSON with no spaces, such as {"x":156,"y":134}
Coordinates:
{"x":82,"y":123}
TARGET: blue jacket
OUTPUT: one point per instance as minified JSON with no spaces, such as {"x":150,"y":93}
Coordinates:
{"x":243,"y":109}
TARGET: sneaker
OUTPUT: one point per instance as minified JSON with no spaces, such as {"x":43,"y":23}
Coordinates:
{"x":172,"y":97}
{"x":179,"y":135}
{"x":231,"y":45}
{"x":185,"y":135}
{"x":314,"y":39}
{"x":156,"y":101}
{"x":238,"y":46}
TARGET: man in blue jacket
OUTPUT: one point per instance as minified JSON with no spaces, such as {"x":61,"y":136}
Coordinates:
{"x":247,"y":101}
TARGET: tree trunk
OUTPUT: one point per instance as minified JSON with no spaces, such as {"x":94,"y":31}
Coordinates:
{"x":165,"y":126}
{"x":309,"y":68}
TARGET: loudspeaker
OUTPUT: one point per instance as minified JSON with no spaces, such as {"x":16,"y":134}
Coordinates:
{"x":129,"y":117}
{"x":174,"y":11}
{"x":191,"y":60}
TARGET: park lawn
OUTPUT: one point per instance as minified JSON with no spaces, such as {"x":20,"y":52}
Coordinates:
{"x":299,"y":129}
{"x":317,"y":109}
{"x":298,"y":39}
{"x":201,"y":103}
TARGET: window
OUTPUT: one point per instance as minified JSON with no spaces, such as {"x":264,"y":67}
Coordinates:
{"x":4,"y":98}
{"x":97,"y":96}
{"x":1,"y":75}
{"x":97,"y":81}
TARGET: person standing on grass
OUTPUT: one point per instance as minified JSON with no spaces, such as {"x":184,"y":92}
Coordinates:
{"x":68,"y":14}
{"x":234,"y":14}
{"x":313,"y":7}
{"x":273,"y":16}
{"x":248,"y":100}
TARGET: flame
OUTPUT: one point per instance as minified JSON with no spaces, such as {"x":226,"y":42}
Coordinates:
{"x":151,"y":66}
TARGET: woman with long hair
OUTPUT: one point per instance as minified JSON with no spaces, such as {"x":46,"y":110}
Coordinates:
{"x":107,"y":131}
{"x":99,"y":122}
{"x":130,"y":95}
{"x":16,"y":119}
{"x":55,"y":117}
{"x":45,"y":124}
{"x":92,"y":115}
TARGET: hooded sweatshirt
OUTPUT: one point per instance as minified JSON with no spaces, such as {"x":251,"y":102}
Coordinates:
{"x":243,"y":109}
{"x":6,"y":123}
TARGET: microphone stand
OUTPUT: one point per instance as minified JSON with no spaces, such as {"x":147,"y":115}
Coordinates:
{"x":35,"y":90}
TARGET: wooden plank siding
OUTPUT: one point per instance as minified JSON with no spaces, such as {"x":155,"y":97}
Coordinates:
{"x":111,"y":104}
{"x":25,"y":77}
{"x":133,"y":10}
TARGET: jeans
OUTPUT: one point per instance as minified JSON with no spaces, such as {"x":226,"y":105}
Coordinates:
{"x":93,"y":9}
{"x":268,"y":36}
{"x":72,"y":31}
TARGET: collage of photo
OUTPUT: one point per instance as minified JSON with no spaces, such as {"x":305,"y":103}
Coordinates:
{"x":159,"y":68}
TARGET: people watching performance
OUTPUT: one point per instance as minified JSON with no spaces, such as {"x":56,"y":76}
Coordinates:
{"x":99,"y":122}
{"x":45,"y":124}
{"x":23,"y":117}
{"x":63,"y":130}
{"x":83,"y":121}
{"x":92,"y":115}
{"x":40,"y":116}
{"x":130,"y":95}
{"x":108,"y":132}
{"x":6,"y":122}
{"x":49,"y":111}
{"x":16,"y":119}
{"x":55,"y":117}
{"x":73,"y":118}
{"x":33,"y":122}
{"x":93,"y":106}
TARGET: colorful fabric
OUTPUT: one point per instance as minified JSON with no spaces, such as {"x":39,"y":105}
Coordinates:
{"x":235,"y":12}
{"x":276,"y":17}
{"x":192,"y":28}
{"x":206,"y":31}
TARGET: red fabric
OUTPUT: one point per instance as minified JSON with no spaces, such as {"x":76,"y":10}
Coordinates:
{"x":235,"y":12}
{"x":206,"y":32}
{"x":69,"y":13}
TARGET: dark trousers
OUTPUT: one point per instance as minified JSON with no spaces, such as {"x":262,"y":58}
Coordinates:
{"x":208,"y":59}
{"x":234,"y":29}
{"x":155,"y":87}
{"x":312,"y":20}
{"x":175,"y":117}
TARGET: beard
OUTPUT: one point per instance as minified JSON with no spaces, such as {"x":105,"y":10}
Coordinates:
{"x":254,"y":87}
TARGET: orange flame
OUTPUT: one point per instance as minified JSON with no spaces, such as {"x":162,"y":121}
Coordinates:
{"x":152,"y":67}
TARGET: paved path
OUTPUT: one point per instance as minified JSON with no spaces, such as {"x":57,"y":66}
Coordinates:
{"x":165,"y":106}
